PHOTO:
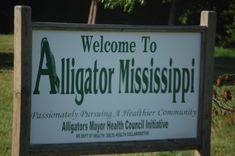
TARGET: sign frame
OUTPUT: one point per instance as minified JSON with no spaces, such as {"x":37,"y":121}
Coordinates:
{"x":22,"y":90}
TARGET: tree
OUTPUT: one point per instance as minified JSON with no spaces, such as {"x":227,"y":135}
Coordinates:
{"x":93,"y":12}
{"x":127,"y":5}
{"x":171,"y":19}
{"x":228,"y":40}
{"x":189,"y":11}
{"x":184,"y":12}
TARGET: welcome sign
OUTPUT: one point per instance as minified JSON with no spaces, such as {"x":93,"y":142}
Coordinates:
{"x":94,"y":89}
{"x":114,"y":85}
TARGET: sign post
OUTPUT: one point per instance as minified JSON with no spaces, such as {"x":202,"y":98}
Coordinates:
{"x":208,"y":19}
{"x":91,"y":89}
{"x":22,"y":80}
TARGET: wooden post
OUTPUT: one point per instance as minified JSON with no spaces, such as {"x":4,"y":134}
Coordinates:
{"x":93,"y":12}
{"x":208,"y":19}
{"x":22,"y":80}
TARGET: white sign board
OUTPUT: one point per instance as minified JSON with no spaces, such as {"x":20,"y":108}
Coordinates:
{"x":112,"y":86}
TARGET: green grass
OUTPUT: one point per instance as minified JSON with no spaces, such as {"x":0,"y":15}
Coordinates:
{"x":6,"y":43}
{"x":170,"y":153}
{"x":223,"y":140}
{"x":223,"y":126}
{"x":6,"y":92}
{"x":222,"y":52}
{"x":223,"y":122}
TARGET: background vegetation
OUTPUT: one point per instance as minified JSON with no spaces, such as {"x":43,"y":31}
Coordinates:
{"x":183,"y":12}
{"x":147,"y":12}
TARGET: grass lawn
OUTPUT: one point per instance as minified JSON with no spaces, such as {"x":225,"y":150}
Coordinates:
{"x":227,"y":53}
{"x":6,"y":92}
{"x":6,"y":43}
{"x":223,"y":126}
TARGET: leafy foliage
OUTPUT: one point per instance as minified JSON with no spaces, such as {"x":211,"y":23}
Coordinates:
{"x":230,"y":27}
{"x":223,"y":100}
{"x":127,"y":5}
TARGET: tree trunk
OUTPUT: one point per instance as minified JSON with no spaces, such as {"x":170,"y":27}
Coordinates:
{"x":93,"y":12}
{"x":171,"y":20}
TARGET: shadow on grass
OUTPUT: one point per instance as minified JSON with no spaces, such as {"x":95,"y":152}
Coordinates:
{"x":6,"y":60}
{"x":224,"y":65}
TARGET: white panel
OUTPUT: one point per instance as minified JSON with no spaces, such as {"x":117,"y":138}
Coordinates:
{"x":162,"y":96}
